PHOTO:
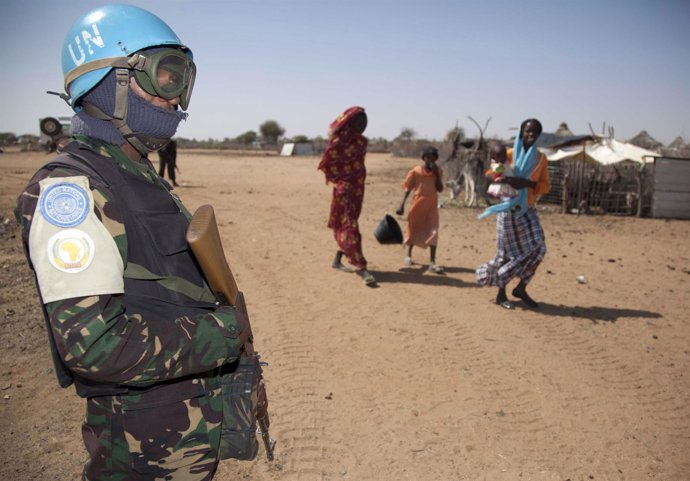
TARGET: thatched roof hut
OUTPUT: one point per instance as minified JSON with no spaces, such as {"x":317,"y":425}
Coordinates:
{"x":646,"y":141}
{"x":563,"y":130}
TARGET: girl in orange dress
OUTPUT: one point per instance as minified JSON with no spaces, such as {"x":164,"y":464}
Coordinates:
{"x":343,"y":165}
{"x":422,"y":221}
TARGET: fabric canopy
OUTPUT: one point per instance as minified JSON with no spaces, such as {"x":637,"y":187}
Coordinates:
{"x":604,"y":151}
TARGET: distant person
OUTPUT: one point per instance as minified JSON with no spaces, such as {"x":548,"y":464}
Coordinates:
{"x":343,"y":165}
{"x":520,"y":244}
{"x":426,"y":181}
{"x":499,"y":169}
{"x":168,"y":158}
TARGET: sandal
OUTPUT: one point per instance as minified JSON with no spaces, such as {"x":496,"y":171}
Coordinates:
{"x":366,"y":276}
{"x":342,"y":267}
{"x":436,"y":269}
{"x":503,"y":301}
{"x":529,"y":302}
{"x":506,"y":305}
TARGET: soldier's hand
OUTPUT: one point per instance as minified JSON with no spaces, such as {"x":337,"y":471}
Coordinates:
{"x":245,"y":327}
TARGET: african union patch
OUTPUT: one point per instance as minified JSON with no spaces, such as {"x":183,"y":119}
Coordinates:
{"x":70,"y":250}
{"x":64,"y":204}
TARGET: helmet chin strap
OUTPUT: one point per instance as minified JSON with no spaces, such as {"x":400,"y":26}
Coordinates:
{"x":141,"y":142}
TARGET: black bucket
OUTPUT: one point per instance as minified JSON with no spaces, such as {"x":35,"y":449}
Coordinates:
{"x":388,"y":231}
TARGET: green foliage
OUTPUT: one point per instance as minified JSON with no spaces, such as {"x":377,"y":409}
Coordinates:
{"x":271,"y":131}
{"x":406,"y":133}
{"x":247,"y":138}
{"x":379,"y":144}
{"x":28,"y":139}
{"x":7,"y":138}
{"x":300,"y":138}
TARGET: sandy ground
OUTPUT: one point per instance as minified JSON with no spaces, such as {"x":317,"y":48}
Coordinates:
{"x":420,"y":377}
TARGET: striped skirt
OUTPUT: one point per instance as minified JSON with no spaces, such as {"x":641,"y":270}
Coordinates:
{"x":520,"y":248}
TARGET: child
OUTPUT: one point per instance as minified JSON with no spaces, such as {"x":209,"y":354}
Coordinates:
{"x":499,"y":169}
{"x":422,"y":221}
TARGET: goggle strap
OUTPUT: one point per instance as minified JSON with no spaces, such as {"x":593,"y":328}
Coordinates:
{"x":94,"y":111}
{"x":145,"y":143}
{"x":120,"y":124}
{"x":121,"y":93}
{"x":137,"y":144}
{"x":138,"y":62}
{"x":131,"y":137}
{"x":121,"y":99}
{"x":117,"y":62}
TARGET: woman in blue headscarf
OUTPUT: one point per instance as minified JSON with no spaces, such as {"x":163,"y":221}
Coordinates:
{"x":520,"y":245}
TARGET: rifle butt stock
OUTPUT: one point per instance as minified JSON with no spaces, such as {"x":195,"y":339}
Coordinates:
{"x":204,"y":240}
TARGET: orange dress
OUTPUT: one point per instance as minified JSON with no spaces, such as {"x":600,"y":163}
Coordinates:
{"x":540,"y":174}
{"x":422,"y":219}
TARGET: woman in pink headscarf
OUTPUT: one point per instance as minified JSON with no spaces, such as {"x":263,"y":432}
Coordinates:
{"x":343,"y":165}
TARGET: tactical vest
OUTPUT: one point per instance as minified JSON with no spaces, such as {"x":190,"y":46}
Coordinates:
{"x":162,"y":280}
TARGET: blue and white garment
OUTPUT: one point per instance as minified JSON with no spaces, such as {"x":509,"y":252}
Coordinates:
{"x":520,"y":248}
{"x":523,"y":165}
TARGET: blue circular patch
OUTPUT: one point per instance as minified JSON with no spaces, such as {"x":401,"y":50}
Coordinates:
{"x":65,"y":204}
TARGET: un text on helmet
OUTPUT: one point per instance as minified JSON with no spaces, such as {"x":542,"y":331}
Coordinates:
{"x":89,"y":38}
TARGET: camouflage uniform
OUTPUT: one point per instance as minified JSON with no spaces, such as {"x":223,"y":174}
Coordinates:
{"x":147,"y":360}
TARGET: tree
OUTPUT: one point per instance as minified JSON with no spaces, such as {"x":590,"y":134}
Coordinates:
{"x":27,"y":139}
{"x":247,"y":138}
{"x":456,"y":134}
{"x":7,"y":138}
{"x":407,"y":133}
{"x":271,"y":131}
{"x":300,"y":138}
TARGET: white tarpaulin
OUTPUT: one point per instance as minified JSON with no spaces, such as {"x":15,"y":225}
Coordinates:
{"x":605,"y":151}
{"x":299,"y":148}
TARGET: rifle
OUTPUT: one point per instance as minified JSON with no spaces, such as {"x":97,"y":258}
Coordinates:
{"x":204,"y":240}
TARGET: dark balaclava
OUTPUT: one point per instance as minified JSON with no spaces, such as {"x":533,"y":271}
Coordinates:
{"x":142,"y":116}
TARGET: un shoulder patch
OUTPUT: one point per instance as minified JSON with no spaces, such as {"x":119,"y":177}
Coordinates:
{"x":65,"y":204}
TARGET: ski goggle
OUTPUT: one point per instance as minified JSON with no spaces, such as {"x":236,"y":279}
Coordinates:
{"x":165,"y":73}
{"x":161,"y":72}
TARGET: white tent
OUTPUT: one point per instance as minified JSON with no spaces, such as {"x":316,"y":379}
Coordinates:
{"x":297,"y":148}
{"x":605,"y":151}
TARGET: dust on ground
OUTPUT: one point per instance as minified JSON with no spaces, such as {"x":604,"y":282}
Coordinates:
{"x":421,"y":377}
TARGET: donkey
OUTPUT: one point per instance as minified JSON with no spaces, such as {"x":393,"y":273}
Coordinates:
{"x":471,"y":180}
{"x":471,"y":174}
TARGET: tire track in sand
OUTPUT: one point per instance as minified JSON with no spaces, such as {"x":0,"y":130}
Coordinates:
{"x":630,"y":381}
{"x":299,"y":415}
{"x":510,"y":410}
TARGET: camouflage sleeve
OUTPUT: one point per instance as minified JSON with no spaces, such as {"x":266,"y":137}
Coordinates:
{"x":99,"y":341}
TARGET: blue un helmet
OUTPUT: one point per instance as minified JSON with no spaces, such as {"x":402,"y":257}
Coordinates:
{"x":110,"y":37}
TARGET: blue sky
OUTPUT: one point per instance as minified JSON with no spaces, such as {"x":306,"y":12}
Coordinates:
{"x":419,"y":64}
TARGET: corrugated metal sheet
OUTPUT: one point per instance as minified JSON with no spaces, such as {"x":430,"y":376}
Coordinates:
{"x":671,"y":188}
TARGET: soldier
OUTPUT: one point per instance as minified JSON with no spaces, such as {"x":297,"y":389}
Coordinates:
{"x":131,"y":322}
{"x":168,"y":158}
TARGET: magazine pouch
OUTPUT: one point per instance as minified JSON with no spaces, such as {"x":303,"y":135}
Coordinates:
{"x":240,"y":392}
